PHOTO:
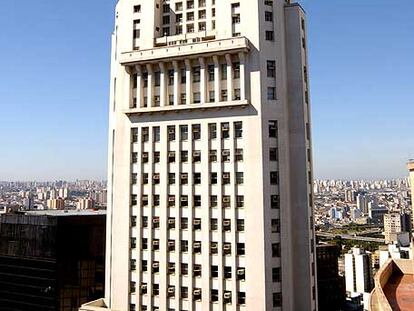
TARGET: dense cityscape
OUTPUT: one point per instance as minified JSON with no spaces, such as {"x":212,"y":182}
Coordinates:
{"x":211,"y":201}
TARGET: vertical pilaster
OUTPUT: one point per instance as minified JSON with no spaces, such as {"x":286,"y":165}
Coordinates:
{"x":216,"y":79}
{"x":188,"y":81}
{"x":176,"y":86}
{"x":163,"y":86}
{"x":229,"y":77}
{"x":150,"y":87}
{"x":139,"y":86}
{"x":203,"y":80}
{"x":242,"y":60}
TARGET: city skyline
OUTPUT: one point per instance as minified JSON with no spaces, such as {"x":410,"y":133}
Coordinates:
{"x":57,"y":127}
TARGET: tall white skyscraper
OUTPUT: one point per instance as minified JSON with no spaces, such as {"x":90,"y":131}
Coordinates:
{"x":358,"y":271}
{"x":210,"y":169}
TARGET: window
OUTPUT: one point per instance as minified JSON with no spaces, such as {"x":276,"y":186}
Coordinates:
{"x":211,"y":95}
{"x":179,"y":6}
{"x":227,"y":297}
{"x":134,"y":135}
{"x":273,"y":129}
{"x":171,"y":268}
{"x":213,"y":178}
{"x":190,"y":4}
{"x":133,"y":221}
{"x":225,"y":155}
{"x":184,"y":201}
{"x":144,"y":265}
{"x":273,"y":154}
{"x":213,"y":224}
{"x":271,"y":68}
{"x":196,"y":156}
{"x":240,"y":249}
{"x":183,"y":76}
{"x":223,"y":71}
{"x":171,"y":292}
{"x":210,"y":69}
{"x":184,"y":178}
{"x":226,"y":178}
{"x":145,"y":157}
{"x":156,"y":133}
{"x":197,"y":200}
{"x":156,"y":178}
{"x":190,"y":28}
{"x":156,"y":200}
{"x":184,"y":246}
{"x":171,"y":133}
{"x":239,"y":178}
{"x":155,"y":289}
{"x":237,"y":94}
{"x":275,"y":201}
{"x":213,"y":201}
{"x":144,"y":200}
{"x":214,"y":248}
{"x":184,"y":269}
{"x":226,"y":201}
{"x":171,"y":178}
{"x":236,"y":19}
{"x":212,"y":131}
{"x":196,"y":74}
{"x":238,"y":156}
{"x":239,"y":201}
{"x":241,"y":298}
{"x":144,"y":221}
{"x":184,"y":132}
{"x":214,"y":293}
{"x":227,"y":248}
{"x":135,"y":157}
{"x":137,"y":8}
{"x":197,"y":294}
{"x":225,"y":130}
{"x":132,"y":287}
{"x":235,"y":5}
{"x":171,"y":223}
{"x":134,"y":199}
{"x":214,"y":271}
{"x":197,"y":97}
{"x":275,"y":250}
{"x":274,"y":178}
{"x":157,"y":78}
{"x":213,"y":156}
{"x":201,"y":3}
{"x":171,"y":200}
{"x":166,"y":20}
{"x":226,"y":225}
{"x":134,"y":178}
{"x":145,"y":134}
{"x":178,"y":29}
{"x":240,"y":225}
{"x":227,"y":272}
{"x":270,"y":35}
{"x":171,"y":156}
{"x":156,"y":156}
{"x":275,"y":225}
{"x":197,"y":178}
{"x":166,"y":8}
{"x":171,"y":245}
{"x":197,"y":247}
{"x":241,"y":274}
{"x":184,"y":156}
{"x":268,"y":16}
{"x":196,"y":131}
{"x":197,"y":224}
{"x":271,"y":93}
{"x":197,"y":270}
{"x":184,"y":223}
{"x":277,"y":300}
{"x":238,"y":129}
{"x":224,"y":95}
{"x":276,"y":274}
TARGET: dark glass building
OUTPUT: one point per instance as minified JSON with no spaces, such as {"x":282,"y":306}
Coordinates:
{"x":51,"y":260}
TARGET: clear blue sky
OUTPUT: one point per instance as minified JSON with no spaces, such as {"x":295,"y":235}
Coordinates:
{"x":54,"y":73}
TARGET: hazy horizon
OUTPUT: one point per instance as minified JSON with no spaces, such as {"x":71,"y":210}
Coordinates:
{"x":55,"y":86}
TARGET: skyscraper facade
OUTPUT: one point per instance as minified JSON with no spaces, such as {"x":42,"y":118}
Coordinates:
{"x":210,"y":169}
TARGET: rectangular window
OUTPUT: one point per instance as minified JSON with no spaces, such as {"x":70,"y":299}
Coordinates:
{"x":166,"y":20}
{"x":275,"y":225}
{"x":156,"y":133}
{"x":240,"y":225}
{"x":238,"y":156}
{"x":197,"y":97}
{"x":237,"y":94}
{"x":223,"y":71}
{"x":184,"y":178}
{"x":213,"y":201}
{"x":197,"y":178}
{"x":239,"y":178}
{"x":271,"y":69}
{"x":268,"y":16}
{"x":196,"y":131}
{"x":277,"y":300}
{"x":196,"y":74}
{"x":271,"y":93}
{"x":270,"y":35}
{"x":273,"y":154}
{"x":184,"y":156}
{"x":276,"y":250}
{"x":171,"y":178}
{"x":274,"y":178}
{"x":213,"y":156}
{"x":223,"y":95}
{"x":171,"y":156}
{"x":212,"y":130}
{"x":214,"y":224}
{"x":236,"y":19}
{"x":275,"y":201}
{"x":184,"y":132}
{"x":171,"y":133}
{"x":241,"y":249}
{"x":276,"y":275}
{"x":137,"y":8}
{"x":214,"y":273}
{"x":184,"y":223}
{"x":238,"y":129}
{"x":240,"y":201}
{"x":225,"y":130}
{"x":210,"y":70}
{"x":156,"y":156}
{"x":211,"y":95}
{"x":273,"y":129}
{"x":178,"y":6}
{"x":213,"y":178}
{"x":184,"y":201}
{"x":184,"y":269}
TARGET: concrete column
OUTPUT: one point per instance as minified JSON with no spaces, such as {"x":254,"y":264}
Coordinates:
{"x":242,"y":59}
{"x":163,"y":86}
{"x":229,"y":78}
{"x":203,"y":80}
{"x":150,"y":88}
{"x":217,"y":94}
{"x":139,"y":86}
{"x":188,"y":82}
{"x":176,"y":86}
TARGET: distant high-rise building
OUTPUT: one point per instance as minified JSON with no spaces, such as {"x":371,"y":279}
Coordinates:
{"x":58,"y":203}
{"x":331,"y":286}
{"x":85,"y":204}
{"x":51,"y":260}
{"x":362,"y":203}
{"x":210,"y":160}
{"x":410,"y":166}
{"x":395,"y":225}
{"x":358,"y":271}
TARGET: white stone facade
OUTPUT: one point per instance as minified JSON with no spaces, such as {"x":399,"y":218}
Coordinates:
{"x":210,"y":169}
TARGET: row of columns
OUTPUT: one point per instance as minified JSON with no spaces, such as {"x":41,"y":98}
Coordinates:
{"x":177,"y":89}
